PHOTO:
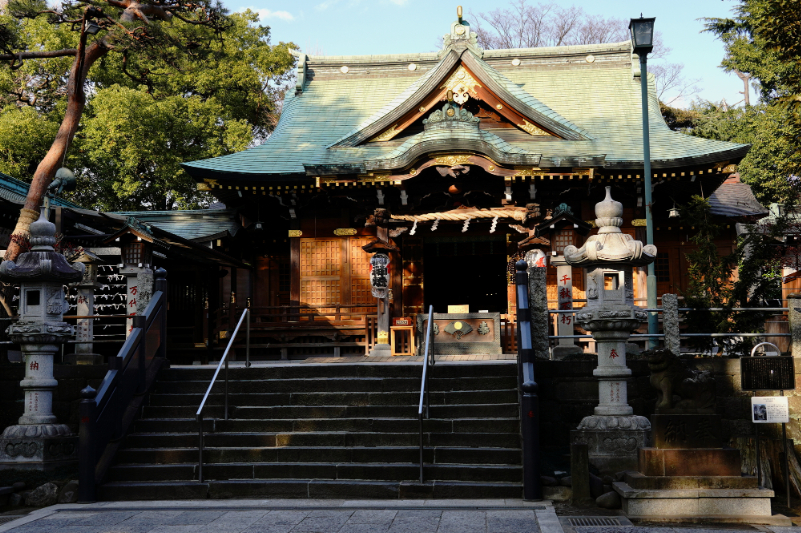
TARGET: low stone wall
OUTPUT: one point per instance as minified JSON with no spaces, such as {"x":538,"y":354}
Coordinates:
{"x":569,"y":392}
{"x":71,"y":379}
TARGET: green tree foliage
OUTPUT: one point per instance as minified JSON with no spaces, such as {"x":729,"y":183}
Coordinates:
{"x":758,"y":259}
{"x":171,"y":91}
{"x":762,"y":39}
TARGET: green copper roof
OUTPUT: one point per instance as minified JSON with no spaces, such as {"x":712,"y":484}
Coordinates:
{"x":590,"y":91}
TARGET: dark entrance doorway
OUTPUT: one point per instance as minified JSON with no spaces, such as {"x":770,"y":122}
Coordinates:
{"x":463,"y":270}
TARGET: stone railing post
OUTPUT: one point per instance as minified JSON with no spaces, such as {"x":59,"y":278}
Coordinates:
{"x":538,"y":303}
{"x":670,"y":323}
{"x":794,"y":314}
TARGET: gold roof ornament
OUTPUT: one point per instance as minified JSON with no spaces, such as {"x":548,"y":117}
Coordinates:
{"x":459,"y":13}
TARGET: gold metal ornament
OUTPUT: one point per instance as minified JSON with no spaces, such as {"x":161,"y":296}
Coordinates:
{"x":532,"y":129}
{"x":386,"y":135}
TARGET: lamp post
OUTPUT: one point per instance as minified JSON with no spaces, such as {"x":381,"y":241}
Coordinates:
{"x":642,"y":37}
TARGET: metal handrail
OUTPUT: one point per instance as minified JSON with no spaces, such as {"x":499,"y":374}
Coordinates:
{"x":424,"y":392}
{"x":223,"y":361}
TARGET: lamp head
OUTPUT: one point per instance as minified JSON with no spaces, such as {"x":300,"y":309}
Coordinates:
{"x":642,"y":35}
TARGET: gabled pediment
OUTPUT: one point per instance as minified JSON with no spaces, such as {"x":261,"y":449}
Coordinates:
{"x":474,"y":85}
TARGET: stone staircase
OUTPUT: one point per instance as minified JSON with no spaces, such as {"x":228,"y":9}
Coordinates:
{"x":326,"y":431}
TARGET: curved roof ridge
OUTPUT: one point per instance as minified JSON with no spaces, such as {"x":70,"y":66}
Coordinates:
{"x":559,"y":50}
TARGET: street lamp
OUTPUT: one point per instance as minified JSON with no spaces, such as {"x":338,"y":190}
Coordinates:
{"x":642,"y":38}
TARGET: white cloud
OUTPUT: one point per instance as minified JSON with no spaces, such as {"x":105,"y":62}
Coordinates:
{"x":322,"y":6}
{"x":266,"y":14}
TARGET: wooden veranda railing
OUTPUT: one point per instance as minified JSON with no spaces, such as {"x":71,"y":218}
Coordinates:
{"x":304,"y":329}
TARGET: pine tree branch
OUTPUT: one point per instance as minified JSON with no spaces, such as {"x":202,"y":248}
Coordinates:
{"x":39,"y":55}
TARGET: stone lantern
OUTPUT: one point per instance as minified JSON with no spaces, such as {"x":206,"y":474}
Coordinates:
{"x":613,"y":433}
{"x":38,"y":441}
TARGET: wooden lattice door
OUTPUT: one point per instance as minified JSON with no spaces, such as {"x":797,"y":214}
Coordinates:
{"x":320,"y":272}
{"x":359,"y":261}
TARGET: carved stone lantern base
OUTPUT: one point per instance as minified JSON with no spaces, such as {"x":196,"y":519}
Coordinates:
{"x":37,"y":447}
{"x":612,"y":441}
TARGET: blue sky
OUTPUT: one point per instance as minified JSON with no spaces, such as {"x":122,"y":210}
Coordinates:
{"x":356,"y":27}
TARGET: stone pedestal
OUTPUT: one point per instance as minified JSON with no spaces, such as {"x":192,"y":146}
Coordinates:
{"x":698,"y":484}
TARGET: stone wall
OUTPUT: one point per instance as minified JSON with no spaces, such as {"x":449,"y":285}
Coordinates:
{"x":71,"y":379}
{"x":569,"y":392}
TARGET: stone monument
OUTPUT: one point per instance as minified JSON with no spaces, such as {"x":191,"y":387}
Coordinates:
{"x":613,"y":434}
{"x":85,"y":306}
{"x":688,"y":474}
{"x":38,"y":441}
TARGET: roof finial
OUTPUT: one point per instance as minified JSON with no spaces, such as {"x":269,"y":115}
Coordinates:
{"x":459,"y":13}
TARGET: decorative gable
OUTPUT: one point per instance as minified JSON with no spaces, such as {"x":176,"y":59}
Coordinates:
{"x":484,"y":92}
{"x":472,"y":95}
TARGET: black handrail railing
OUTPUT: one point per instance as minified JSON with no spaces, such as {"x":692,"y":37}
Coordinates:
{"x":223,"y":361}
{"x":424,"y":393}
{"x":107,"y":413}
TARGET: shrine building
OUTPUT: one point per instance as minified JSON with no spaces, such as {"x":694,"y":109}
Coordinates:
{"x":455,"y":163}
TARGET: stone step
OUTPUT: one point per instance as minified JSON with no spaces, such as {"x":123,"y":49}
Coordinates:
{"x":257,"y":396}
{"x":332,"y":454}
{"x":286,"y":425}
{"x":494,"y":410}
{"x":306,"y":488}
{"x":345,"y":370}
{"x":338,"y":384}
{"x":332,"y":438}
{"x":351,"y":471}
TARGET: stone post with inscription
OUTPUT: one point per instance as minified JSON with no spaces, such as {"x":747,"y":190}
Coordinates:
{"x":38,"y":441}
{"x":564,"y":321}
{"x":613,"y":433}
{"x":85,"y":306}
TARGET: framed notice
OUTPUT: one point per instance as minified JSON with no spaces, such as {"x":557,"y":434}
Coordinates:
{"x":770,"y":410}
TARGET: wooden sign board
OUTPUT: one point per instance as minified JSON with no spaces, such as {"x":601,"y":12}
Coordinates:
{"x":458,"y":309}
{"x":402,"y":321}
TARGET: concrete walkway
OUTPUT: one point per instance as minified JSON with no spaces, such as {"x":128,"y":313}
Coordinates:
{"x":294,"y":516}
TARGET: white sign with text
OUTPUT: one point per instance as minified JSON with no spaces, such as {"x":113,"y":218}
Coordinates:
{"x":770,"y":410}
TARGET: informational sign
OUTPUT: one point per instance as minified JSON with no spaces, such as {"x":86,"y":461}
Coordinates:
{"x":458,"y":308}
{"x":767,"y":373}
{"x":770,"y":410}
{"x":379,"y":275}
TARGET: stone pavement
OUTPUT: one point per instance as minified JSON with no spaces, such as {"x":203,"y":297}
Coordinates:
{"x":331,"y":516}
{"x":293,"y":516}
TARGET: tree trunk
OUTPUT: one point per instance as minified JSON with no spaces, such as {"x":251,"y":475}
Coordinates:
{"x":52,"y":161}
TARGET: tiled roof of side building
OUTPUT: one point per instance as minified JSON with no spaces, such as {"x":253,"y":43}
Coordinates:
{"x":15,"y":190}
{"x":590,"y":89}
{"x":193,"y":225}
{"x":735,"y":199}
